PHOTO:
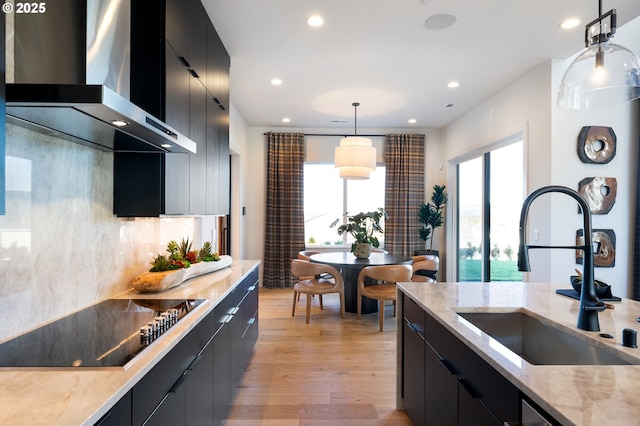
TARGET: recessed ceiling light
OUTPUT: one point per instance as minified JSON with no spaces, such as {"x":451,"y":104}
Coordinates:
{"x":286,"y":120}
{"x":119,"y":123}
{"x":570,"y":23}
{"x":276,"y":82}
{"x":166,"y":145}
{"x":315,"y":21}
{"x":440,"y":21}
{"x":412,"y":121}
{"x":453,"y":84}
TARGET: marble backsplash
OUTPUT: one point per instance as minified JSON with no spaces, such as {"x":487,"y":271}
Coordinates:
{"x":61,"y":246}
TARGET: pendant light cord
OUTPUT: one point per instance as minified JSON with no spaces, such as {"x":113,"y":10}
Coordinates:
{"x":355,"y":118}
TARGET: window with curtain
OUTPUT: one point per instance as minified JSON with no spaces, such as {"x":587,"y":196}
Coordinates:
{"x":327,"y":197}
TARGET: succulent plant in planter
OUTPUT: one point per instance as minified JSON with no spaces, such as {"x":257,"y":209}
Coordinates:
{"x":432,"y":215}
{"x":362,"y":228}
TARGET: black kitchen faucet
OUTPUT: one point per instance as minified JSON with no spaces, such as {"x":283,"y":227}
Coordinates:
{"x":590,"y":305}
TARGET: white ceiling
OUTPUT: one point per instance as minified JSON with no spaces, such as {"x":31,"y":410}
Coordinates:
{"x":380,"y":53}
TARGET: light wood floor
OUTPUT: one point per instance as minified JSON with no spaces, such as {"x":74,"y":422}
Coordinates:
{"x":331,"y":371}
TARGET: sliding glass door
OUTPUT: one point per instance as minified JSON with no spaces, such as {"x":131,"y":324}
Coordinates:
{"x":490,"y":190}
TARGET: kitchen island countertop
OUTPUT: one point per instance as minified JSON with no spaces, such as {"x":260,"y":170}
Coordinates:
{"x":572,"y":394}
{"x":67,"y":396}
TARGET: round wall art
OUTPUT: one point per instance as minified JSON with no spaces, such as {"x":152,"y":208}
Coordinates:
{"x":596,"y":144}
{"x":600,"y":193}
{"x":605,"y":241}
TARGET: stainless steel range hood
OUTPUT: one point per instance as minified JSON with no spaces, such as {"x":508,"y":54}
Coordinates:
{"x":68,"y":75}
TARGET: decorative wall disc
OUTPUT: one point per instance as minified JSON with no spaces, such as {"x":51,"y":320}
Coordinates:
{"x":599,"y":192}
{"x":596,"y":144}
{"x":605,"y":256}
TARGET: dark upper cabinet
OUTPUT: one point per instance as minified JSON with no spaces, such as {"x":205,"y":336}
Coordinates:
{"x":217,"y":168}
{"x":218,"y":64}
{"x":198,"y":193}
{"x":186,"y":32}
{"x":176,"y":93}
{"x":180,"y":74}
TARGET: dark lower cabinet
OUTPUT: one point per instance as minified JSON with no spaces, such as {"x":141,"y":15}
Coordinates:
{"x":119,"y":414}
{"x":194,"y":384}
{"x":222,"y":376}
{"x":472,"y":411}
{"x":170,"y":411}
{"x":413,"y":373}
{"x":200,"y":387}
{"x":445,"y":382}
{"x":441,"y":393}
{"x":162,"y":389}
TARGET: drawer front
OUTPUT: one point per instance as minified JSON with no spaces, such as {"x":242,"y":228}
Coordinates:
{"x":149,"y":391}
{"x":414,"y":314}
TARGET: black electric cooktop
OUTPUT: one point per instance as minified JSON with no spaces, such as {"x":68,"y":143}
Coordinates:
{"x":108,"y":334}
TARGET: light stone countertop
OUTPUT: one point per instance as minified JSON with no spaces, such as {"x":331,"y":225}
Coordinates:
{"x":65,"y":397}
{"x":573,"y":395}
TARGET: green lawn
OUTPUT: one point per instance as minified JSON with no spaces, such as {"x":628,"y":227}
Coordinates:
{"x":501,"y":270}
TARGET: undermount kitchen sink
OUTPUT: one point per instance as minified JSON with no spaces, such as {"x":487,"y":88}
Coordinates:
{"x":539,"y":343}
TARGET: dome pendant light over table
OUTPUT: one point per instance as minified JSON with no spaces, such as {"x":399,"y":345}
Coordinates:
{"x":603,"y":74}
{"x":355,"y":158}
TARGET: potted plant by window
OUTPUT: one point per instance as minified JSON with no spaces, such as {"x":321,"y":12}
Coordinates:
{"x":362,"y":227}
{"x":432,"y":217}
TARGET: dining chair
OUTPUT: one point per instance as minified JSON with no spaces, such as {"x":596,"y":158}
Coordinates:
{"x":306,"y":255}
{"x":383,"y":287}
{"x":424,"y":267}
{"x":313,"y":281}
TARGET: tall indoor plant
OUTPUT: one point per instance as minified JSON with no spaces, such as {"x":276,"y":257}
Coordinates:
{"x":362,"y":228}
{"x":432,"y":217}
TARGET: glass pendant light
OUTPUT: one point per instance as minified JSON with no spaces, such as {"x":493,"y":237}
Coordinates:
{"x":603,"y":74}
{"x":355,"y":158}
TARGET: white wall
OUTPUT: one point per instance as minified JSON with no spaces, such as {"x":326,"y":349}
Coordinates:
{"x":239,"y":148}
{"x":523,"y":106}
{"x":568,"y":170}
{"x":551,"y":133}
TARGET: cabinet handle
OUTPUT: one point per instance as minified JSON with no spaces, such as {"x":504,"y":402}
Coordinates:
{"x":235,"y":310}
{"x":448,"y":367}
{"x":252,"y":320}
{"x":193,"y":73}
{"x":195,"y":362}
{"x":469,"y":389}
{"x":227,"y":319}
{"x":185,"y":62}
{"x":411,"y":326}
{"x":178,"y":382}
{"x":253,"y":287}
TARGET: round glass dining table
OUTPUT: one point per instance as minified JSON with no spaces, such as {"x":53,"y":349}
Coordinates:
{"x":350,"y":266}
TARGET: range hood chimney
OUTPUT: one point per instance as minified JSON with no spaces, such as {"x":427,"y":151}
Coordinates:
{"x":68,"y":74}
